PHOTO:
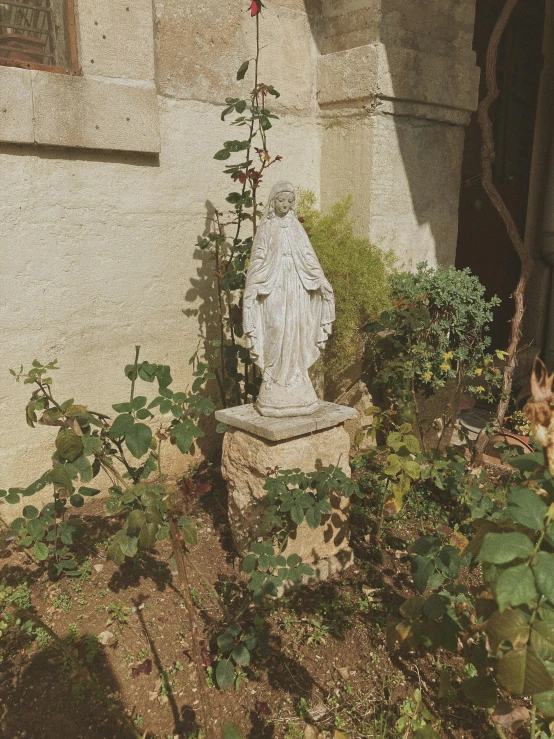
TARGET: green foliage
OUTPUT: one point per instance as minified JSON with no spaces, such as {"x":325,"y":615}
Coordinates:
{"x":235,"y":649}
{"x":88,"y":442}
{"x":293,"y":497}
{"x":514,"y":546}
{"x":435,"y":335}
{"x":414,"y":717}
{"x":359,"y":273}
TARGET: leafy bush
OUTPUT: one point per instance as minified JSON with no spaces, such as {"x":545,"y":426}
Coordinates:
{"x":503,"y":626}
{"x":359,"y":274}
{"x":436,"y":335}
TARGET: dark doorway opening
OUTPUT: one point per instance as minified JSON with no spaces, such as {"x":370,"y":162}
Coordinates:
{"x":483,"y":243}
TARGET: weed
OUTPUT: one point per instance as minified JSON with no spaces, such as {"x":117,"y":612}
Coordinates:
{"x":62,"y":602}
{"x":117,"y":614}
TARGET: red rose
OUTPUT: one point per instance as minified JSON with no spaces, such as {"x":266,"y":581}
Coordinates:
{"x":256,"y":7}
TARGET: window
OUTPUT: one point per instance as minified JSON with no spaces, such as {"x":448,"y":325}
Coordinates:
{"x":38,"y":34}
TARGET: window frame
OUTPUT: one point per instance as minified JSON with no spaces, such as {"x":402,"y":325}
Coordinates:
{"x":73,"y":67}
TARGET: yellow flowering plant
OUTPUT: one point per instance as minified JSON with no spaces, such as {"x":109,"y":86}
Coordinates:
{"x":435,"y":336}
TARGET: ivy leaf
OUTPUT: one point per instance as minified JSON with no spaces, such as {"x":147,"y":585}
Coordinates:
{"x":138,"y":439}
{"x":243,"y":69}
{"x":501,"y":548}
{"x":225,"y":674}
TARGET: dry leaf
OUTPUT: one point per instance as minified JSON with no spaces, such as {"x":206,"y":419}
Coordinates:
{"x":343,"y":672}
{"x":145,"y":668}
{"x":510,"y":717}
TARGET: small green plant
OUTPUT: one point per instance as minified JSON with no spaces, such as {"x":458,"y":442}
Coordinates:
{"x":293,"y":497}
{"x":88,"y":442}
{"x":63,"y":602}
{"x":118,"y":613}
{"x":318,"y":633}
{"x":415,"y":719}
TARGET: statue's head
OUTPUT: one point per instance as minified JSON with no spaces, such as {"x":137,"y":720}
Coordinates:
{"x":282,"y":199}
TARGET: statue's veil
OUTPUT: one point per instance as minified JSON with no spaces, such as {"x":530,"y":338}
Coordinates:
{"x":282,"y":186}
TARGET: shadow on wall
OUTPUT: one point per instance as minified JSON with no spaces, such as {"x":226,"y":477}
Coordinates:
{"x":399,"y":154}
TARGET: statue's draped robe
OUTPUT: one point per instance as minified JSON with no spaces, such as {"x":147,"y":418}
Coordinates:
{"x":286,"y":319}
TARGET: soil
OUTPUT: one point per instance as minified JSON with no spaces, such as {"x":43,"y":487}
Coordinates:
{"x":328,"y":673}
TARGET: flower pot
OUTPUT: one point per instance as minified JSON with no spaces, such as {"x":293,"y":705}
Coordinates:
{"x":512,"y":439}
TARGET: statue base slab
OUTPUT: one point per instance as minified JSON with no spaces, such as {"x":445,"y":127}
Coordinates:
{"x":248,"y":459}
{"x":247,"y":418}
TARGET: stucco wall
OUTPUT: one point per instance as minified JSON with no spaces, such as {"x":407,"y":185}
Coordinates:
{"x":97,"y":248}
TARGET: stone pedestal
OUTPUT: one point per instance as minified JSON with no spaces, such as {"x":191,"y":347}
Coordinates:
{"x":255,"y":446}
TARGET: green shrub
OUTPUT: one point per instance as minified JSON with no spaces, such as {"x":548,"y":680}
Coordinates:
{"x":436,"y":335}
{"x":359,"y":274}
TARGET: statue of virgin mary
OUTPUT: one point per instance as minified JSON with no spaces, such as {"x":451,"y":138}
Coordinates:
{"x":289,"y":308}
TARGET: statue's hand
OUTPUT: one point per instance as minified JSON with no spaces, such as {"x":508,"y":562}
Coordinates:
{"x":327,"y":291}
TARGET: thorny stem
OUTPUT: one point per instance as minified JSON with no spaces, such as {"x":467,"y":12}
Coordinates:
{"x":135,"y":372}
{"x":382,"y":512}
{"x":221,"y":324}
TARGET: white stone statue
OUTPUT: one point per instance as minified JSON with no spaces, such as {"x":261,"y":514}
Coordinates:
{"x":289,"y":308}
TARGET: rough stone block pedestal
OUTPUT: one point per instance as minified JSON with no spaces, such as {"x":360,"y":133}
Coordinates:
{"x":255,"y":446}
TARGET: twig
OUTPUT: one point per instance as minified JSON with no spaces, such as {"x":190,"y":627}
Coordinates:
{"x":184,"y":585}
{"x":487,"y":159}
